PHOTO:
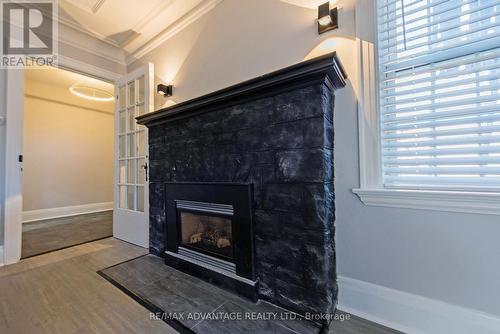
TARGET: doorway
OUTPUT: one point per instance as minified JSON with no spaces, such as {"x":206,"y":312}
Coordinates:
{"x":68,"y":160}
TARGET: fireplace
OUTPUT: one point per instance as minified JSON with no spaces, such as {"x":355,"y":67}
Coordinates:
{"x":242,"y":186}
{"x":206,"y":231}
{"x":209,"y":229}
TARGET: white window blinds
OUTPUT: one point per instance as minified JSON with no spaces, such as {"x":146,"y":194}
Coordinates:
{"x":439,"y":93}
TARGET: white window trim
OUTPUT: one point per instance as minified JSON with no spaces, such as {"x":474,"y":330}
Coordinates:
{"x":371,"y":190}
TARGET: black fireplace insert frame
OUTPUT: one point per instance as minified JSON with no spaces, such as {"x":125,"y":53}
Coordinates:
{"x":239,"y":195}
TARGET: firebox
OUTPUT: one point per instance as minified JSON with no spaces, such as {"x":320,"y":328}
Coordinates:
{"x":209,"y":232}
{"x":206,"y":228}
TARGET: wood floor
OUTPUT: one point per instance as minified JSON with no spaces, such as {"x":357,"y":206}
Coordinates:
{"x":53,"y":234}
{"x":60,"y":292}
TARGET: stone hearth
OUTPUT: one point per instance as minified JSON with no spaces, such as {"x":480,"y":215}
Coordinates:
{"x":274,"y":132}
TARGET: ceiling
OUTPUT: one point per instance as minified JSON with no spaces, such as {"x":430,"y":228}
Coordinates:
{"x":311,"y":4}
{"x":128,"y":25}
{"x":58,"y":77}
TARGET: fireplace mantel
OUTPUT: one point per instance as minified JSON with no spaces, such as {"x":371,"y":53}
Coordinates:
{"x":275,"y":134}
{"x":326,"y":68}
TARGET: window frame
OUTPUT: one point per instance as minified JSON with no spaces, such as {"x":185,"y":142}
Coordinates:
{"x":371,"y":190}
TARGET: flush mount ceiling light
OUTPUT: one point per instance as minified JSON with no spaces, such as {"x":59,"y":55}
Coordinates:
{"x":327,"y":18}
{"x":91,"y":93}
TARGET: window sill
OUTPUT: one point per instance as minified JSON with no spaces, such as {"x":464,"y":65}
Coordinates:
{"x":452,"y":201}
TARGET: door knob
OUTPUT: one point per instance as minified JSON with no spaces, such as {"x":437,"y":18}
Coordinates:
{"x":145,"y":166}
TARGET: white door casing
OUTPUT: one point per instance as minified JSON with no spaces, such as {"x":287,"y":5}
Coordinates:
{"x":13,"y":204}
{"x":134,"y":96}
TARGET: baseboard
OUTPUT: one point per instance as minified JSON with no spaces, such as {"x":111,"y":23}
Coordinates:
{"x":1,"y":256}
{"x":411,"y":313}
{"x":67,"y":211}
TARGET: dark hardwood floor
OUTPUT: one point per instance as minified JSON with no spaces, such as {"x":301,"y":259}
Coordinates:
{"x":53,"y":234}
{"x":61,"y":292}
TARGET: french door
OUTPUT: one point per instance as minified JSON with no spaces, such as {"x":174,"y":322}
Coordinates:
{"x":134,"y":97}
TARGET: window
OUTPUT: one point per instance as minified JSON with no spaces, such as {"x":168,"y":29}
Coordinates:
{"x":439,"y":94}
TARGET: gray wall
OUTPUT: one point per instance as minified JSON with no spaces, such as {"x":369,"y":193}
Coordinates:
{"x":453,"y":257}
{"x":445,"y":256}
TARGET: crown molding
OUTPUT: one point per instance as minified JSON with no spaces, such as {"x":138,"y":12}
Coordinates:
{"x":112,"y":55}
{"x":171,"y":31}
{"x":146,"y":21}
{"x":72,"y":24}
{"x":152,"y":15}
{"x":176,"y":27}
{"x":91,"y":9}
{"x":68,"y":23}
{"x":88,"y":69}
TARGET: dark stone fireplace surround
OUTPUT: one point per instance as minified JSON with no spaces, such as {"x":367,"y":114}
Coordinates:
{"x":274,"y":132}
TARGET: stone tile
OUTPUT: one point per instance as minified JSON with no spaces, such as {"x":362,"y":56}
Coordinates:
{"x":298,"y":104}
{"x":174,"y":296}
{"x":283,"y":197}
{"x":264,"y":226}
{"x":249,"y":114}
{"x":284,"y":135}
{"x":318,"y":132}
{"x":304,"y":165}
{"x":156,"y":134}
{"x":249,"y":322}
{"x":175,"y":292}
{"x":156,"y":195}
{"x":159,"y":170}
{"x":264,"y":157}
{"x":250,"y":139}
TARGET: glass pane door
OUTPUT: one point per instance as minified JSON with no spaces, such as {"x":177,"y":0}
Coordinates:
{"x":135,"y":97}
{"x":132,"y":146}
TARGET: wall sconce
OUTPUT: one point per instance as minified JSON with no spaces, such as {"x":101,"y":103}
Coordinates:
{"x":327,"y":18}
{"x":164,"y":90}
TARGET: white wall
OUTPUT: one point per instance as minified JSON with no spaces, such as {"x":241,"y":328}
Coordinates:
{"x":445,"y":256}
{"x":2,"y":153}
{"x":67,"y":147}
{"x":239,"y":40}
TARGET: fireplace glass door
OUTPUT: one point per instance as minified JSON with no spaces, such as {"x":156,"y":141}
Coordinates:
{"x":207,"y":233}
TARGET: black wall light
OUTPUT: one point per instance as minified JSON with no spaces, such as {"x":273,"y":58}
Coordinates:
{"x":164,"y":90}
{"x":327,"y":18}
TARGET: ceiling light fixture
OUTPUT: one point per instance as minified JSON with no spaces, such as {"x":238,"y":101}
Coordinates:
{"x":327,"y":18}
{"x":91,"y":93}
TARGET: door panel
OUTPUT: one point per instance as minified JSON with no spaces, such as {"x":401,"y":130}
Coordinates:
{"x":135,"y":97}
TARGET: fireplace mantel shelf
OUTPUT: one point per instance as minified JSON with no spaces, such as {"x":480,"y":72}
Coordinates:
{"x":318,"y":69}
